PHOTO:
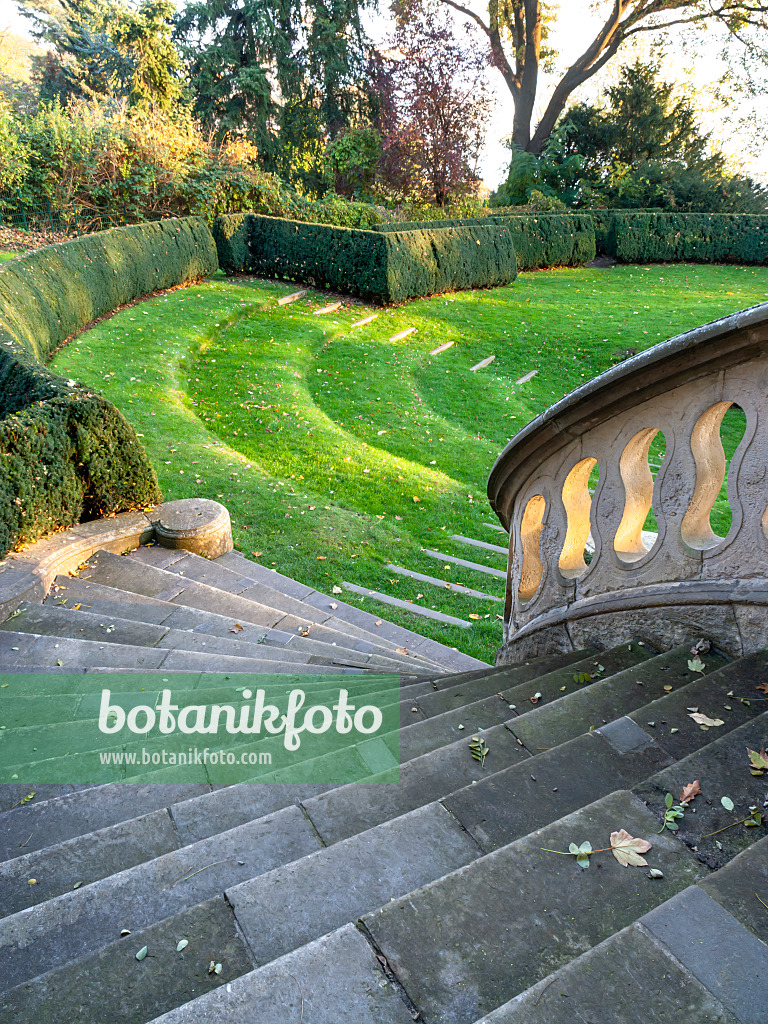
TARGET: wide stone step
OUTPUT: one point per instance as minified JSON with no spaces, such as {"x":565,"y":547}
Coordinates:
{"x":612,"y":694}
{"x":610,"y":982}
{"x":92,"y":916}
{"x":21,"y":649}
{"x":734,"y":887}
{"x":408,"y":606}
{"x":108,"y":601}
{"x":467,"y":943}
{"x":124,"y":573}
{"x":398,"y":635}
{"x":50,"y":620}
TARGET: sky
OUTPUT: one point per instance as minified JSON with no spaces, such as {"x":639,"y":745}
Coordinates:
{"x":576,"y":26}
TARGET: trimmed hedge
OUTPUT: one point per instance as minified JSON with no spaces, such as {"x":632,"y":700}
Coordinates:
{"x":67,"y":454}
{"x":643,"y":237}
{"x":541,"y":239}
{"x":381,"y":266}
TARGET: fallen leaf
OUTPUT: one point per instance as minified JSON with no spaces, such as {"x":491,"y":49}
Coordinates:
{"x":704,"y":721}
{"x":667,"y":689}
{"x":726,"y":802}
{"x":257,"y":554}
{"x":76,"y":606}
{"x":655,"y":873}
{"x":627,"y":850}
{"x":690,"y":791}
{"x":237,"y":628}
{"x":535,"y":698}
{"x":182,"y":945}
{"x":337,"y":590}
{"x":321,"y":558}
{"x":763,"y":687}
{"x":402,"y":650}
{"x":474,"y":616}
{"x":416,"y":499}
{"x":696,"y":665}
{"x":32,"y":881}
{"x":581,"y":853}
{"x":142,"y":953}
{"x":758,"y":761}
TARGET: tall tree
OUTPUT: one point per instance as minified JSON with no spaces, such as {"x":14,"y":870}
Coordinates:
{"x":435,"y":103}
{"x":517,"y":33}
{"x":287,"y":74}
{"x":107,"y":48}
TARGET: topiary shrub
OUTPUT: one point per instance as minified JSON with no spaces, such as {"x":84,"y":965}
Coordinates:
{"x":647,"y":237}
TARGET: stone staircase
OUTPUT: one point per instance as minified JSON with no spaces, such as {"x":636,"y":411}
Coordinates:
{"x":434,"y":899}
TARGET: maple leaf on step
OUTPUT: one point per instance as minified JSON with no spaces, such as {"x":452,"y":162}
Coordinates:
{"x":627,"y":850}
{"x":691,"y":790}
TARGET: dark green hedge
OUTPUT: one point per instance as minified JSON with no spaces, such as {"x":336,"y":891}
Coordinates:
{"x":642,"y":237}
{"x":66,"y":453}
{"x":381,"y":266}
{"x":541,"y":239}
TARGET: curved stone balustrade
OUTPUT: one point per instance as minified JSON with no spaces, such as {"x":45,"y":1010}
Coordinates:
{"x":575,"y":486}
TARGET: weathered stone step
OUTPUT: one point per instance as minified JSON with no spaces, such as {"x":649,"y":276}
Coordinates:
{"x":517,"y":915}
{"x":212,"y":574}
{"x":295,"y":904}
{"x":611,"y":695}
{"x":455,"y":588}
{"x":610,"y":982}
{"x":92,"y":916}
{"x":722,"y":770}
{"x":17,"y":648}
{"x":98,"y":599}
{"x":487,"y":569}
{"x":81,"y":624}
{"x":110,"y":985}
{"x":342,"y":982}
{"x":124,"y":573}
{"x":408,"y":606}
{"x":479,"y":544}
{"x":398,"y":635}
{"x":737,"y":886}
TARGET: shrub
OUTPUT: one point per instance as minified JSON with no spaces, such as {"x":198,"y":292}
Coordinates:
{"x":385,"y":266}
{"x":67,"y":453}
{"x":695,"y":237}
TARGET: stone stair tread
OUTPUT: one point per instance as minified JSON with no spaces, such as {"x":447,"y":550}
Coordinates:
{"x":399,"y":635}
{"x":611,"y":694}
{"x":109,"y":601}
{"x":209,"y":573}
{"x":93,"y":916}
{"x":480,"y":544}
{"x":63,"y":652}
{"x":722,"y":769}
{"x":300,"y":902}
{"x":81,"y":624}
{"x":517,"y":915}
{"x":408,"y":606}
{"x":476,"y":566}
{"x":598,"y":986}
{"x":435,"y":581}
{"x":110,"y":981}
{"x":339,"y":973}
{"x":735,"y":885}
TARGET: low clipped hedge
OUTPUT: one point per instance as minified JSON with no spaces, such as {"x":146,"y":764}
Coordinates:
{"x":541,"y":239}
{"x":380,"y":266}
{"x":646,"y":237}
{"x":66,"y":453}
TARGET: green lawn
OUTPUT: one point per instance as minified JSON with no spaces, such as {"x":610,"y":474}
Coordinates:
{"x":338,"y":450}
{"x":7,"y":255}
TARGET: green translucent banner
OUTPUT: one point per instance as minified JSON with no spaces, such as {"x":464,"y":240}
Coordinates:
{"x":89,"y":728}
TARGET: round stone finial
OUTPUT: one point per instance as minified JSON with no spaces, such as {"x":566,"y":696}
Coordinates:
{"x":198,"y":525}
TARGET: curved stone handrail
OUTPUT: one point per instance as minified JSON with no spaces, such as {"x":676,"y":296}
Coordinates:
{"x":685,"y":580}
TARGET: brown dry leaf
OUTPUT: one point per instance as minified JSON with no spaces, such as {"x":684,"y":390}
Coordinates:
{"x":474,"y":616}
{"x":416,"y":499}
{"x":321,"y":558}
{"x":257,"y":554}
{"x":305,"y":632}
{"x":627,"y":850}
{"x":691,"y":790}
{"x":763,"y":687}
{"x":75,"y":607}
{"x":402,"y":650}
{"x":705,"y":721}
{"x":237,"y":628}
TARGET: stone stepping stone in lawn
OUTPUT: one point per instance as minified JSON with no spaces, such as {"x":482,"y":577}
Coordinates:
{"x":457,"y":588}
{"x":526,"y":378}
{"x":478,"y":543}
{"x":428,"y":613}
{"x":331,"y":308}
{"x":402,"y":334}
{"x":482,"y":364}
{"x":365,"y":320}
{"x":441,"y":348}
{"x":291,"y":298}
{"x":465,"y":564}
{"x":497,"y":527}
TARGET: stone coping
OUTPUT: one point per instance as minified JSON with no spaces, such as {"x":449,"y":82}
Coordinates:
{"x":194,"y":524}
{"x":695,"y":353}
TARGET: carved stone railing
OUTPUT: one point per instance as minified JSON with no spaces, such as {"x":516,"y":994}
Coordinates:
{"x":685,"y":580}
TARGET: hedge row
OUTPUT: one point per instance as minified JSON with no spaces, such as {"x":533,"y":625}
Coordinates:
{"x":642,"y":237}
{"x":541,"y":240}
{"x":381,"y":266}
{"x":66,"y":454}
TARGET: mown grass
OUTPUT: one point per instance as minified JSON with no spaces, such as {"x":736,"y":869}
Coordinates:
{"x":7,"y":255}
{"x":338,"y":450}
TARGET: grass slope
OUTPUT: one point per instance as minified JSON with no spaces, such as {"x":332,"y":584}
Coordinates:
{"x":337,"y":449}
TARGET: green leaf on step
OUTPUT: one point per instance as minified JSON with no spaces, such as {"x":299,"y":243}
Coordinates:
{"x":142,"y":953}
{"x":726,"y":802}
{"x":655,"y":873}
{"x":217,"y":969}
{"x":183,"y":943}
{"x":478,"y":749}
{"x":669,"y":799}
{"x":77,"y":885}
{"x":696,"y":665}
